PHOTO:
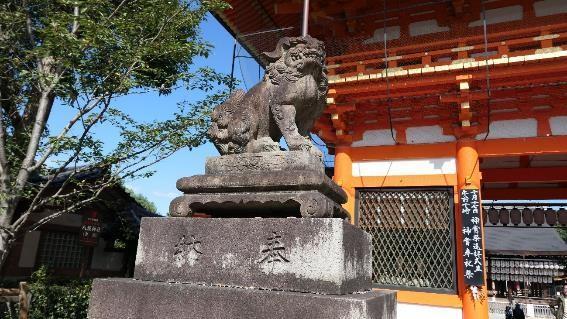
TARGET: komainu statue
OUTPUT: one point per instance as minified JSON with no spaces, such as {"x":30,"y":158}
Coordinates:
{"x":291,"y":96}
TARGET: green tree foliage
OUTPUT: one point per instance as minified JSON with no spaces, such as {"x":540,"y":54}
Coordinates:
{"x":562,"y":231}
{"x":142,"y":200}
{"x":54,"y":300}
{"x":80,"y":55}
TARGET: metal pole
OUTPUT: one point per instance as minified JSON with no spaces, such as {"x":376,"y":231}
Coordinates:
{"x":232,"y":67}
{"x":305,"y":18}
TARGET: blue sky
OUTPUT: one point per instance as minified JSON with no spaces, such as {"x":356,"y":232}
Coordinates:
{"x":160,"y":188}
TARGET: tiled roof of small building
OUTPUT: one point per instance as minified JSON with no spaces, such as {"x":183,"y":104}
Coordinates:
{"x":524,"y":241}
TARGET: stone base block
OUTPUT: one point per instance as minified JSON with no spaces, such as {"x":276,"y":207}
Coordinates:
{"x":135,"y":299}
{"x":318,"y":255}
{"x":292,"y":180}
{"x":280,"y":193}
{"x":260,"y":204}
{"x":263,"y":162}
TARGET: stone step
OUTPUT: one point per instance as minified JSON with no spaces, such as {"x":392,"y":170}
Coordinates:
{"x":318,"y":255}
{"x":136,"y":299}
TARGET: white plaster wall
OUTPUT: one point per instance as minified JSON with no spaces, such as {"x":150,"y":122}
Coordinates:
{"x":549,"y":7}
{"x":102,"y":260}
{"x":511,"y":129}
{"x":29,"y":249}
{"x":558,"y":124}
{"x":427,"y":134}
{"x":412,"y":311}
{"x":428,"y":166}
{"x":506,"y":14}
{"x":426,"y":27}
{"x":375,"y":138}
{"x":392,"y":33}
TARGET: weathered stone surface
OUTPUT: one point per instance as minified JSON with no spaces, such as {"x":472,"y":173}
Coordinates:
{"x":264,"y":162}
{"x":135,"y":299}
{"x":291,"y":96}
{"x":319,"y":255}
{"x":270,"y":184}
{"x":299,"y":180}
{"x":260,"y":204}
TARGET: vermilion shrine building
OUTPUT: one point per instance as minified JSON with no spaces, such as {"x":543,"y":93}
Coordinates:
{"x":427,"y":98}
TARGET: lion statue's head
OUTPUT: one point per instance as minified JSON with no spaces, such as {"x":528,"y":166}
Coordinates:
{"x":296,"y":57}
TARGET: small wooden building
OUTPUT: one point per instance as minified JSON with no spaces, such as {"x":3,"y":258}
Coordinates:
{"x":525,"y":256}
{"x":97,"y":241}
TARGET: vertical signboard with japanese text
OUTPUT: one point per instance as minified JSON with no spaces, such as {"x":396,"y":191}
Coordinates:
{"x":90,"y":229}
{"x":472,"y":237}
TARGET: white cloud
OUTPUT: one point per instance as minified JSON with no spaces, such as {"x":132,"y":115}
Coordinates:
{"x":169,"y":195}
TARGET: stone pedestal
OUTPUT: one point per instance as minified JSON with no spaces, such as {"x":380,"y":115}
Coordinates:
{"x":246,"y":268}
{"x":132,"y":299}
{"x":318,"y":255}
{"x":261,"y":267}
{"x":271,"y":184}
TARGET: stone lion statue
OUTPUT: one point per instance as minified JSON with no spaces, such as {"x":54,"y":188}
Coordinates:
{"x":291,"y":96}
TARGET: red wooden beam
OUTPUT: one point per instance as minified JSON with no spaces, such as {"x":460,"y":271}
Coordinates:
{"x":524,"y":193}
{"x":451,"y":43}
{"x":523,"y":146}
{"x":413,"y":86}
{"x":530,"y":174}
{"x":288,"y":8}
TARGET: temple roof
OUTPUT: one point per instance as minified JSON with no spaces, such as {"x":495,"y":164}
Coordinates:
{"x":354,"y":26}
{"x":532,"y":241}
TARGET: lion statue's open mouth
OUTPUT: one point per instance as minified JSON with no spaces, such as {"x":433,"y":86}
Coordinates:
{"x":286,"y":102}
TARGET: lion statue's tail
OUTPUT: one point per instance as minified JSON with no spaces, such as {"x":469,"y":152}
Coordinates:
{"x":229,"y":132}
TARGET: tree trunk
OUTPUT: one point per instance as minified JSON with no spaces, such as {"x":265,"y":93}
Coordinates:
{"x":6,"y":234}
{"x":10,"y":195}
{"x":6,"y":240}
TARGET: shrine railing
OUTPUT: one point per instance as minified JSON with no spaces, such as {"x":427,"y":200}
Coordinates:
{"x":512,"y":47}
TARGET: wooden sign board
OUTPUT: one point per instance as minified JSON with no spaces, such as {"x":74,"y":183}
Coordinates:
{"x":472,"y":237}
{"x":90,"y":229}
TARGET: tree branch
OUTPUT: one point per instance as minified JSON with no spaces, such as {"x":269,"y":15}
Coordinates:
{"x":3,"y":160}
{"x":44,"y":107}
{"x":75,"y":26}
{"x":29,"y":27}
{"x":165,"y":23}
{"x":25,"y":215}
{"x":116,"y":10}
{"x":65,"y":130}
{"x":69,"y":209}
{"x":9,"y":92}
{"x":90,"y":106}
{"x":38,"y":196}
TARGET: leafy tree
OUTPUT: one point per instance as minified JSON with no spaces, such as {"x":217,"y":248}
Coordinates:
{"x":80,"y":55}
{"x":58,"y":300}
{"x":562,"y":231}
{"x":142,"y":200}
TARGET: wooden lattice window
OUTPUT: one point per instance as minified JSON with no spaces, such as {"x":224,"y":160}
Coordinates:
{"x":413,"y":237}
{"x":60,"y":250}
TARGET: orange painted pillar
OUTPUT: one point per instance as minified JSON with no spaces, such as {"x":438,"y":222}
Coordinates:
{"x":343,"y":165}
{"x":468,"y":177}
{"x":343,"y":176}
